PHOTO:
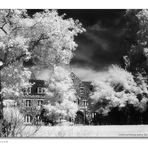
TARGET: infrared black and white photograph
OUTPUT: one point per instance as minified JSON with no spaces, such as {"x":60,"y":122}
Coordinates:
{"x":73,"y":73}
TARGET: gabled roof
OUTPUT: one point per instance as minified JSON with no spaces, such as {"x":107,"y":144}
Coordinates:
{"x":78,"y":82}
{"x":75,"y":78}
{"x":33,"y":76}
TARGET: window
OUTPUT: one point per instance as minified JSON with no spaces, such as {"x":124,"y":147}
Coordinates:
{"x":77,"y":101}
{"x":40,"y":102}
{"x":84,"y":103}
{"x":28,"y":103}
{"x":40,"y":90}
{"x":38,"y":120}
{"x":82,"y":90}
{"x":28,"y":119}
{"x":93,"y":115}
{"x":27,"y":91}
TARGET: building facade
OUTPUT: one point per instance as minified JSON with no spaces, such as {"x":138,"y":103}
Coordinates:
{"x":83,"y":90}
{"x":34,"y":98}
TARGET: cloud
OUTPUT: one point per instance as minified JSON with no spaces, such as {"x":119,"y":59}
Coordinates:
{"x":84,"y":73}
{"x":98,"y":49}
{"x":101,"y":45}
{"x":88,"y":74}
{"x":44,"y":74}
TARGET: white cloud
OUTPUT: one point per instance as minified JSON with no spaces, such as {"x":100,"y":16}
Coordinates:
{"x":87,"y":74}
{"x":43,"y":75}
{"x":84,"y":73}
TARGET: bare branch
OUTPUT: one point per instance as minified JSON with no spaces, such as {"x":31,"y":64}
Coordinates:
{"x":2,"y":28}
{"x":5,"y":22}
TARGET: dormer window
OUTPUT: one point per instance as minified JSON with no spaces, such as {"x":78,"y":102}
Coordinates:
{"x":40,"y":90}
{"x":27,"y":91}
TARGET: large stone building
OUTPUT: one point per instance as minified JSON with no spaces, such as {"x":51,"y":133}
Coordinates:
{"x":34,"y":98}
{"x":83,"y":90}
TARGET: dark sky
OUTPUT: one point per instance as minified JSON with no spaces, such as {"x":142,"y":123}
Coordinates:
{"x":103,"y":42}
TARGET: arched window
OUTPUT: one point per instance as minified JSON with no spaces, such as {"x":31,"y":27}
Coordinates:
{"x":28,"y":103}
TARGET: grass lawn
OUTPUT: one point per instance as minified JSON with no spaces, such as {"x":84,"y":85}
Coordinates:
{"x":90,"y":131}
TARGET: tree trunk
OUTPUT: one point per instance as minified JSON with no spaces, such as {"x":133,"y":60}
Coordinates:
{"x":1,"y":103}
{"x":141,"y":118}
{"x":128,"y":114}
{"x":1,"y":110}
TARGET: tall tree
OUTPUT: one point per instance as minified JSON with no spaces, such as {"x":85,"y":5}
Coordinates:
{"x":136,"y":39}
{"x":61,"y":95}
{"x":46,"y":38}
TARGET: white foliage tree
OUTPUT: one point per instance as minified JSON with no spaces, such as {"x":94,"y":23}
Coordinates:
{"x":14,"y":120}
{"x":118,"y":90}
{"x":62,"y":95}
{"x":46,"y":38}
